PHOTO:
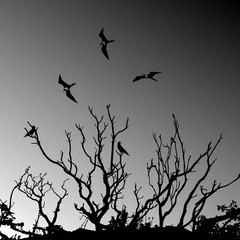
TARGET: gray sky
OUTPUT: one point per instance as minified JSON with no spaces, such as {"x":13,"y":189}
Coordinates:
{"x":195,"y":45}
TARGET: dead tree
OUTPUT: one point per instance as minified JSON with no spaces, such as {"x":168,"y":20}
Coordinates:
{"x":111,"y":169}
{"x":36,"y":189}
{"x":169,"y":175}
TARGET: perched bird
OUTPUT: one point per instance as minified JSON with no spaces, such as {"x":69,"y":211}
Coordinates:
{"x":121,"y":149}
{"x":66,"y":88}
{"x":104,"y":43}
{"x":30,"y":132}
{"x":150,"y":75}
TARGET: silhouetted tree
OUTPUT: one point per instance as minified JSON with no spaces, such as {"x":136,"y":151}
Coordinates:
{"x":226,"y":226}
{"x":168,"y":176}
{"x":112,"y":169}
{"x":36,"y":189}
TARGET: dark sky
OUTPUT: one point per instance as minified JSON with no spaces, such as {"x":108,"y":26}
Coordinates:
{"x":194,"y":43}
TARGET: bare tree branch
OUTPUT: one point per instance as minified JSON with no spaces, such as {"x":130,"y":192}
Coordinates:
{"x":168,"y":176}
{"x":36,"y":188}
{"x":113,"y":172}
{"x":208,"y":153}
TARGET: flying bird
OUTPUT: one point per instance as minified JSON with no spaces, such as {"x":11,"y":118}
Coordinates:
{"x":64,"y":84}
{"x":30,"y":132}
{"x":69,"y":95}
{"x":150,"y":75}
{"x":121,"y":149}
{"x":104,"y":43}
{"x":66,"y":88}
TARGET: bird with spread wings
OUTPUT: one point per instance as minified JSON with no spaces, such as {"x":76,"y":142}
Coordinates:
{"x":104,"y":43}
{"x":150,"y":75}
{"x":66,"y":88}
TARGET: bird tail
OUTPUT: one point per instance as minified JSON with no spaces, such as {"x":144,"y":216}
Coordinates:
{"x":26,"y":133}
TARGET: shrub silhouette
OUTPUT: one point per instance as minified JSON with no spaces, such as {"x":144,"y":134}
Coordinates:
{"x":226,"y":225}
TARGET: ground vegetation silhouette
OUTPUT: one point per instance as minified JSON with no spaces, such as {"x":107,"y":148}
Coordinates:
{"x":6,"y":215}
{"x":223,"y":226}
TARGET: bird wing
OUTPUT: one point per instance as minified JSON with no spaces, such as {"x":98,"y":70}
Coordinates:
{"x":102,"y":36}
{"x":60,"y":81}
{"x":30,"y":132}
{"x":104,"y":51}
{"x":125,"y":151}
{"x":152,"y":74}
{"x":70,"y":96}
{"x":138,"y":78}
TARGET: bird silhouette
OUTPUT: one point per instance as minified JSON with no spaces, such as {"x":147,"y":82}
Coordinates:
{"x":69,"y":95}
{"x":150,"y":75}
{"x":30,"y":132}
{"x":66,"y":88}
{"x":121,"y":149}
{"x":64,"y":84}
{"x":104,"y":43}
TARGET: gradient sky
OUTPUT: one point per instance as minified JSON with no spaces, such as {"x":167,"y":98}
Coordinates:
{"x":194,"y":43}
